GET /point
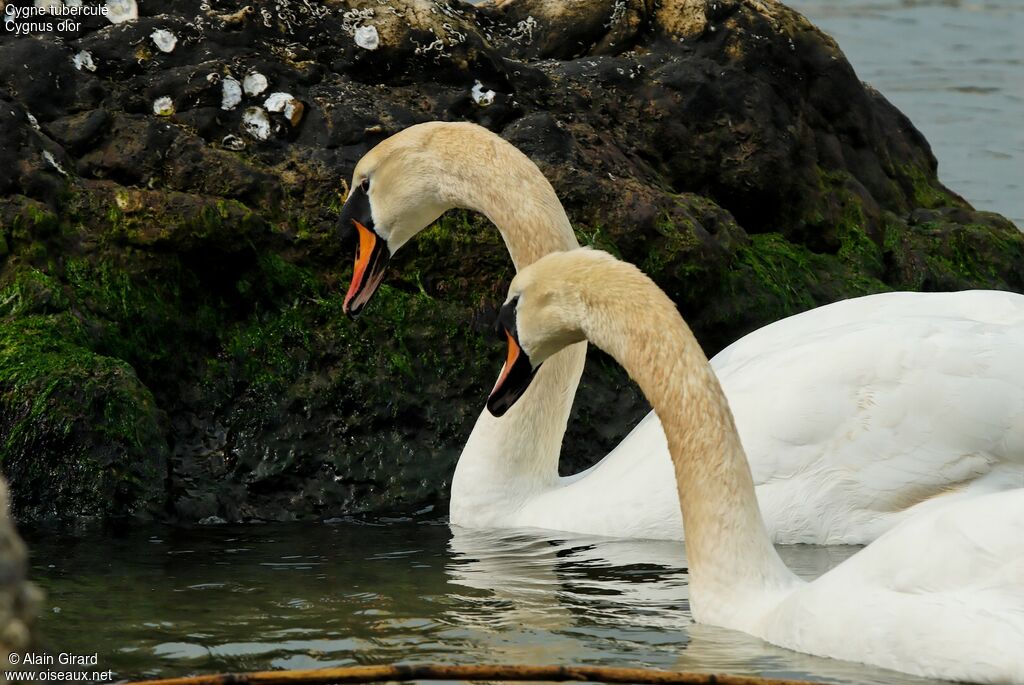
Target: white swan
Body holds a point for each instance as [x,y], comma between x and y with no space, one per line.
[853,414]
[940,595]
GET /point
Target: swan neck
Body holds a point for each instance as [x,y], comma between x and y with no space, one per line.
[727,545]
[510,459]
[512,192]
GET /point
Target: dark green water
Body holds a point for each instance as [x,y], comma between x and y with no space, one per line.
[175,602]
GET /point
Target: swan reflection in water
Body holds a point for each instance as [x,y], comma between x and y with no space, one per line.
[537,596]
[227,598]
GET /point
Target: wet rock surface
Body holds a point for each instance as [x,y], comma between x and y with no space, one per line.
[171,337]
[19,599]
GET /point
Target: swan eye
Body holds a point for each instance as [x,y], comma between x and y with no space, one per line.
[365,184]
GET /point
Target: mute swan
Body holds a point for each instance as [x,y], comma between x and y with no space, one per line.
[853,414]
[940,595]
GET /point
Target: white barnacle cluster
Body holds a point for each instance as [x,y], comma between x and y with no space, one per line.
[618,12]
[256,123]
[231,93]
[523,31]
[286,104]
[83,60]
[254,83]
[256,120]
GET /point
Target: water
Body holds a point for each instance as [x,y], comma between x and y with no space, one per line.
[167,602]
[956,68]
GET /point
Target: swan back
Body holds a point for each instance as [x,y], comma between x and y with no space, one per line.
[881,406]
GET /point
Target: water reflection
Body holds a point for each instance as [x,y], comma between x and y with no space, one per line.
[177,602]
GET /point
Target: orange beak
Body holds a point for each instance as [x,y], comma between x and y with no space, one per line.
[510,361]
[371,259]
[515,378]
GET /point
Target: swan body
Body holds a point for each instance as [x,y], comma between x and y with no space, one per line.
[854,415]
[941,594]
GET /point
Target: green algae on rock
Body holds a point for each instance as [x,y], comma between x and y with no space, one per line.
[171,337]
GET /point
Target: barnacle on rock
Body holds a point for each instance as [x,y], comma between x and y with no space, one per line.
[163,106]
[254,83]
[256,123]
[83,60]
[367,37]
[164,40]
[231,93]
[119,11]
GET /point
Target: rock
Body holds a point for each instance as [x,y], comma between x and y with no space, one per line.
[171,337]
[19,599]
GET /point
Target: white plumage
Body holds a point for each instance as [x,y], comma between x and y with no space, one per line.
[853,415]
[941,594]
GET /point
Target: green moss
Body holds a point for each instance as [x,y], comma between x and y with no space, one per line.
[677,250]
[33,223]
[973,254]
[460,257]
[136,317]
[25,289]
[785,272]
[597,237]
[79,434]
[271,350]
[925,190]
[284,277]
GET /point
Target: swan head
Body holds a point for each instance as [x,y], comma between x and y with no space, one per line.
[545,311]
[399,188]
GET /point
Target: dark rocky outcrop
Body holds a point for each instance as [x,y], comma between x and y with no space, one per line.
[19,599]
[171,336]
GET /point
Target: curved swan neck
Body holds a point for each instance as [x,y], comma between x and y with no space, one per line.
[495,178]
[727,545]
[510,459]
